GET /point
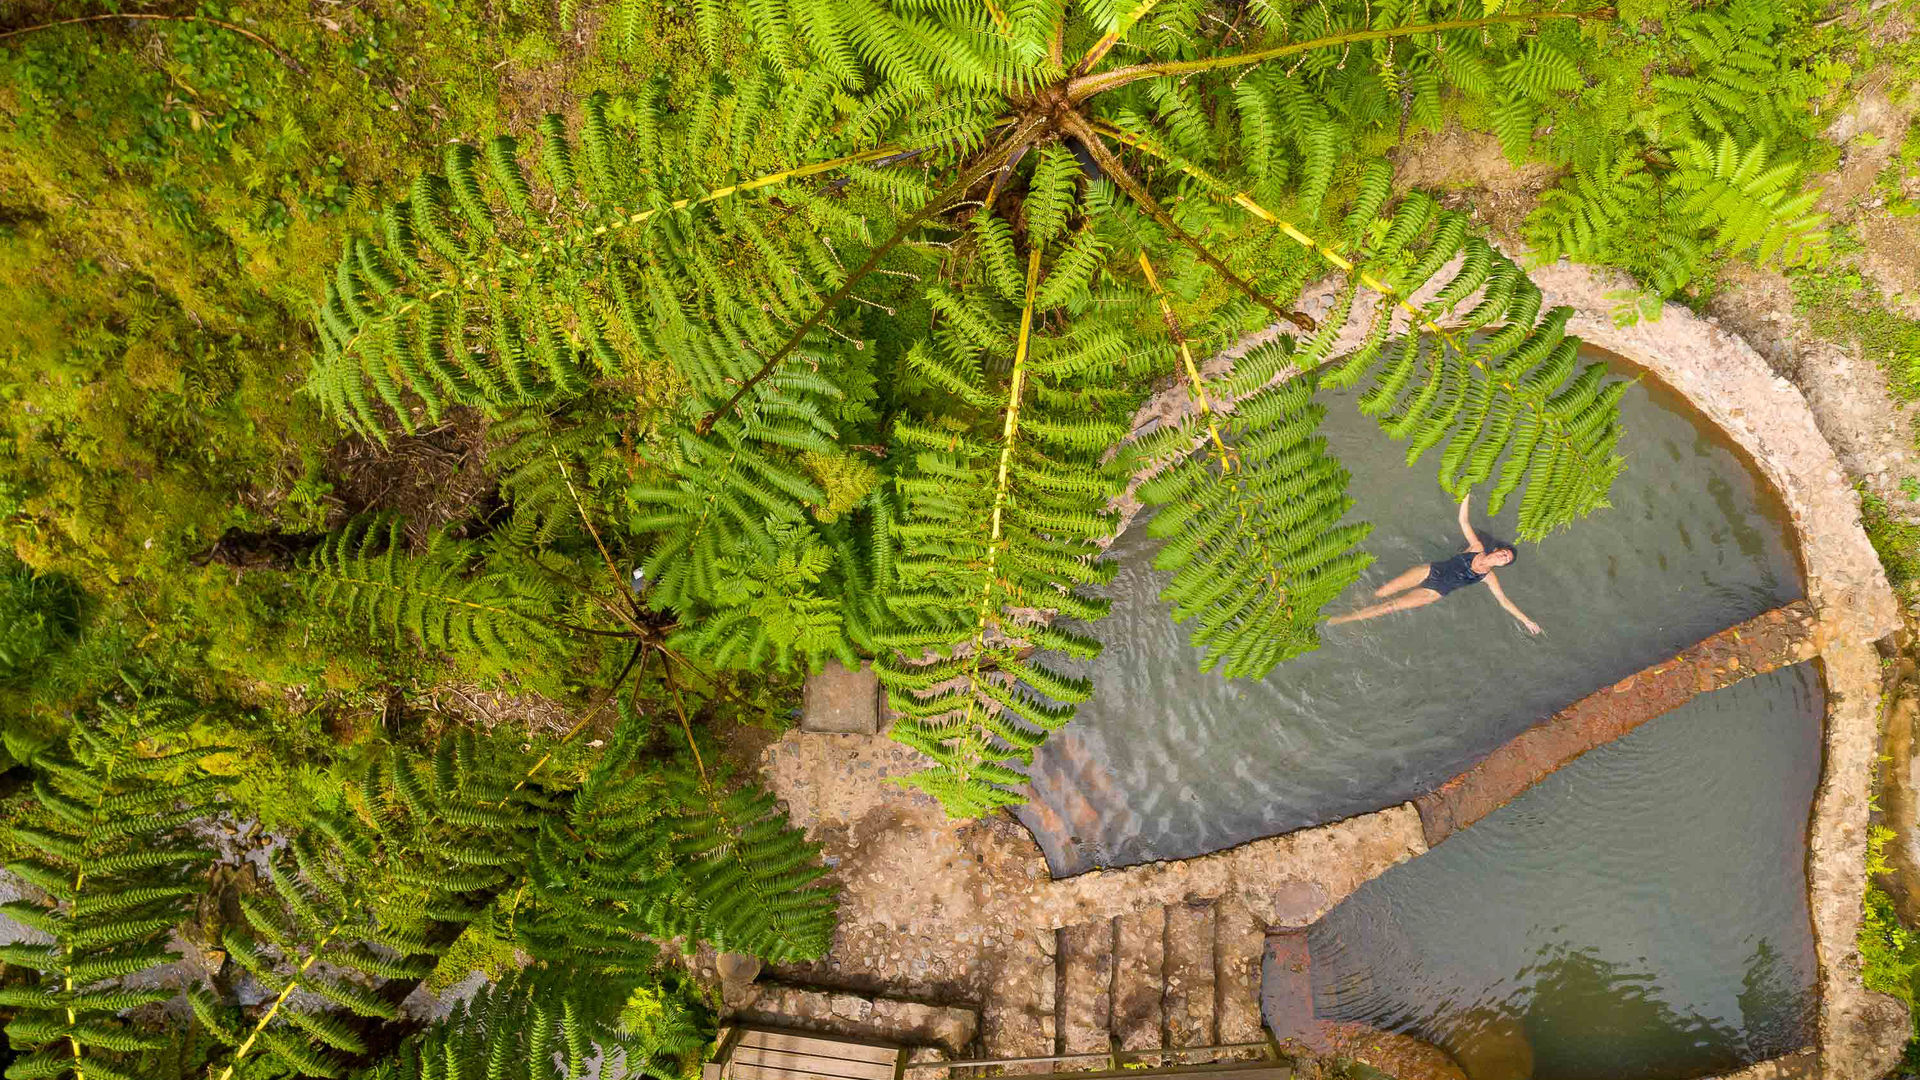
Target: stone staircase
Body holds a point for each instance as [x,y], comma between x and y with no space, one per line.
[1175,977]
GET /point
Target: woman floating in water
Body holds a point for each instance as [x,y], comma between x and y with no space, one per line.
[1428,582]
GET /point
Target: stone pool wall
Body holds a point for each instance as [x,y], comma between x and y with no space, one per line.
[1721,375]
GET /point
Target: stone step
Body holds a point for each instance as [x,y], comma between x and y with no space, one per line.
[1139,976]
[856,1015]
[1238,945]
[1018,1019]
[1189,998]
[1286,995]
[1086,988]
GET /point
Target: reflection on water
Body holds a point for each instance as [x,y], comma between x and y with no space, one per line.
[1167,762]
[1641,913]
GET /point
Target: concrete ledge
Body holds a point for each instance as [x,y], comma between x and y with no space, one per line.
[1288,881]
[1759,645]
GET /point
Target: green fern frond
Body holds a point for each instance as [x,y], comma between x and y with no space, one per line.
[438,598]
[120,791]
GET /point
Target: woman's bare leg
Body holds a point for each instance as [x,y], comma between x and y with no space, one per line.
[1408,580]
[1405,602]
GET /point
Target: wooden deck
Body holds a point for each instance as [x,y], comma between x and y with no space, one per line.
[750,1052]
[757,1053]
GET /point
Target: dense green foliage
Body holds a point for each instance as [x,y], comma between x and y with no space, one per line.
[357,906]
[39,616]
[516,1028]
[479,408]
[1708,157]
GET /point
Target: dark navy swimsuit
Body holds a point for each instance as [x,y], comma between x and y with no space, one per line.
[1447,575]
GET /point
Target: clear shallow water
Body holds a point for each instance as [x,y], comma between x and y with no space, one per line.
[1641,913]
[1167,762]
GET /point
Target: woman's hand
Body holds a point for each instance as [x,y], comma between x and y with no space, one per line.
[1532,627]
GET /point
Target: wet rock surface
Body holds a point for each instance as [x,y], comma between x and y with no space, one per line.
[1402,1057]
[1801,1065]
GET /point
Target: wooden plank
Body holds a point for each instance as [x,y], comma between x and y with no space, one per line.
[1256,1070]
[823,1045]
[729,1038]
[773,1065]
[812,1064]
[747,1071]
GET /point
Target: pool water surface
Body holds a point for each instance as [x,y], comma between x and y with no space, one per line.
[1167,762]
[1640,914]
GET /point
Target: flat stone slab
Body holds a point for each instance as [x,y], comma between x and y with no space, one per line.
[842,702]
[859,1016]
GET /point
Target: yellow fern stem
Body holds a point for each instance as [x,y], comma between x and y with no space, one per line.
[1012,423]
[1186,357]
[1108,41]
[285,993]
[80,879]
[1087,85]
[1293,232]
[1364,277]
[1008,432]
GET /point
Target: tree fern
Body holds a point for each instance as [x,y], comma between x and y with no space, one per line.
[1752,207]
[1703,161]
[909,232]
[1663,223]
[1730,77]
[113,870]
[994,535]
[750,877]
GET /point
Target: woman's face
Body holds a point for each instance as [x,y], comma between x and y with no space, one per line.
[1499,557]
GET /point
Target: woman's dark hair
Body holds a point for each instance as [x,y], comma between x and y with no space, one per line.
[1492,546]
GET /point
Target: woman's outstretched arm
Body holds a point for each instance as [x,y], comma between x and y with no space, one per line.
[1466,527]
[1512,608]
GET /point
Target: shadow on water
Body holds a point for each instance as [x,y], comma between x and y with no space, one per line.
[1641,913]
[1169,762]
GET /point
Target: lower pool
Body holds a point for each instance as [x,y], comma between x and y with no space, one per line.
[1640,914]
[1169,762]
